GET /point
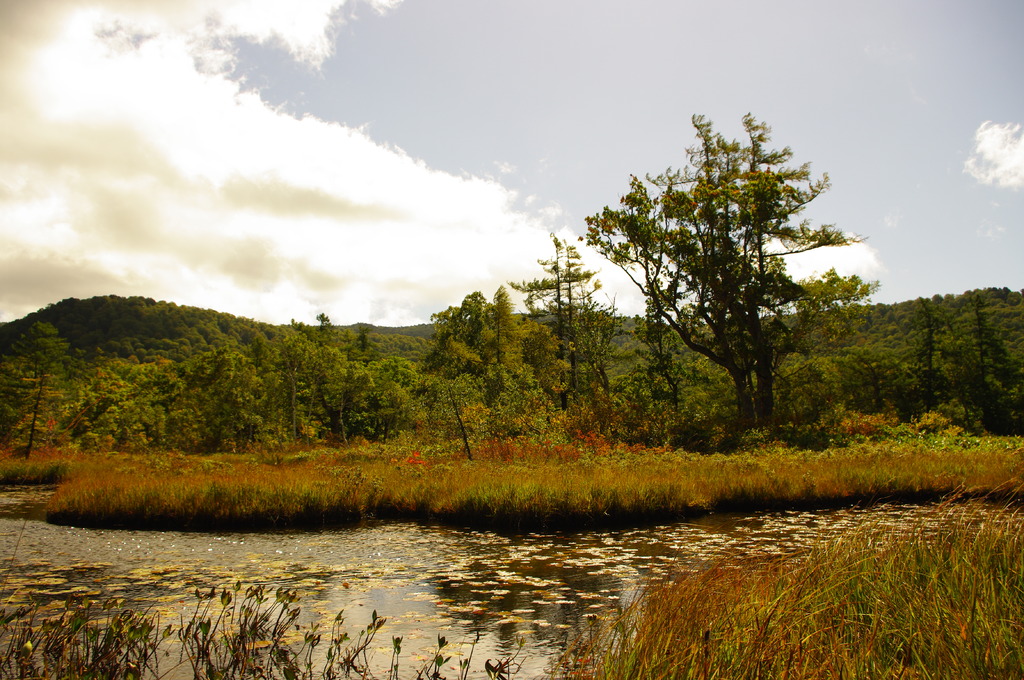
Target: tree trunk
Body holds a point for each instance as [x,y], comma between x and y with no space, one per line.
[341,425]
[462,425]
[744,400]
[295,423]
[764,398]
[35,416]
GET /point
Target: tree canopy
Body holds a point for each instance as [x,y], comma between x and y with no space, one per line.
[707,245]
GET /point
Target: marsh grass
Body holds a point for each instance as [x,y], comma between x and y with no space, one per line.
[529,487]
[48,467]
[942,599]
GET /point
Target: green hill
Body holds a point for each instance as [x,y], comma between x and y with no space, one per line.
[409,342]
[892,326]
[138,327]
[148,329]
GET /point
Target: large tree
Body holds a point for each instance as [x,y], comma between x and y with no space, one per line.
[707,246]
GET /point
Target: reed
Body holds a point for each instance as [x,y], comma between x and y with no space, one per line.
[918,603]
[531,490]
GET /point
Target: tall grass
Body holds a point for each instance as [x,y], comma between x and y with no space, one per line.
[926,603]
[538,488]
[49,468]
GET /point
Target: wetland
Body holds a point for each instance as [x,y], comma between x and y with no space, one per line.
[492,587]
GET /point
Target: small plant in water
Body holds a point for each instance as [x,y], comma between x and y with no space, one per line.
[396,652]
[506,668]
[231,633]
[84,639]
[432,669]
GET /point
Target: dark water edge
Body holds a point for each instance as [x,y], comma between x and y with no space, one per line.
[518,522]
[427,578]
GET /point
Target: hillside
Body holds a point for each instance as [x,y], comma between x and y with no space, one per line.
[408,342]
[148,330]
[139,327]
[892,326]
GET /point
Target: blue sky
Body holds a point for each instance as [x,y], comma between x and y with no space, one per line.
[379,160]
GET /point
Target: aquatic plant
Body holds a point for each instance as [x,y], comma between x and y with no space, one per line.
[85,638]
[231,633]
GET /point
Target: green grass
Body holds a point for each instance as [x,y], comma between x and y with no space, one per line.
[942,600]
[531,486]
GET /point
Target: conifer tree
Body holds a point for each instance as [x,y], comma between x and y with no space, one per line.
[39,357]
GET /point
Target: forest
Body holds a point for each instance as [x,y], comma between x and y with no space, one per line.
[135,374]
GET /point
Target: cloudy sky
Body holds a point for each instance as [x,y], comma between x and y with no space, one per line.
[377,160]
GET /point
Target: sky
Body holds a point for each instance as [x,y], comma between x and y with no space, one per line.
[378,160]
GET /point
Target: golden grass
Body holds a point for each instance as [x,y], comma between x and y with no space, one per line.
[45,467]
[943,600]
[537,489]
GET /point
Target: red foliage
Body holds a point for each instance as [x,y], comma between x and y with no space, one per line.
[868,425]
[523,449]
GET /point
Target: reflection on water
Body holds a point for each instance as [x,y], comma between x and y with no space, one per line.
[427,579]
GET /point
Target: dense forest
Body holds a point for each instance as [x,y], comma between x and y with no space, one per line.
[133,373]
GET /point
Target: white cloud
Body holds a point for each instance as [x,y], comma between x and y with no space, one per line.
[858,258]
[892,219]
[132,164]
[991,230]
[998,156]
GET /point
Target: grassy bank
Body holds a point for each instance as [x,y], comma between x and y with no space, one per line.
[49,468]
[525,485]
[876,604]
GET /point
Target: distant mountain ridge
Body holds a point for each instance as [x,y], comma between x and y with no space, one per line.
[149,329]
[890,326]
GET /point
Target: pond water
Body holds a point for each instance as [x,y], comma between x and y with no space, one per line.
[426,579]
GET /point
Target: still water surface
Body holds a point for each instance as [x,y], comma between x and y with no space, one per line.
[426,579]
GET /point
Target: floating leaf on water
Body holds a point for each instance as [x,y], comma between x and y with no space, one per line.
[420,596]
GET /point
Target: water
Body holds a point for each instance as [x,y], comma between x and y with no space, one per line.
[426,579]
